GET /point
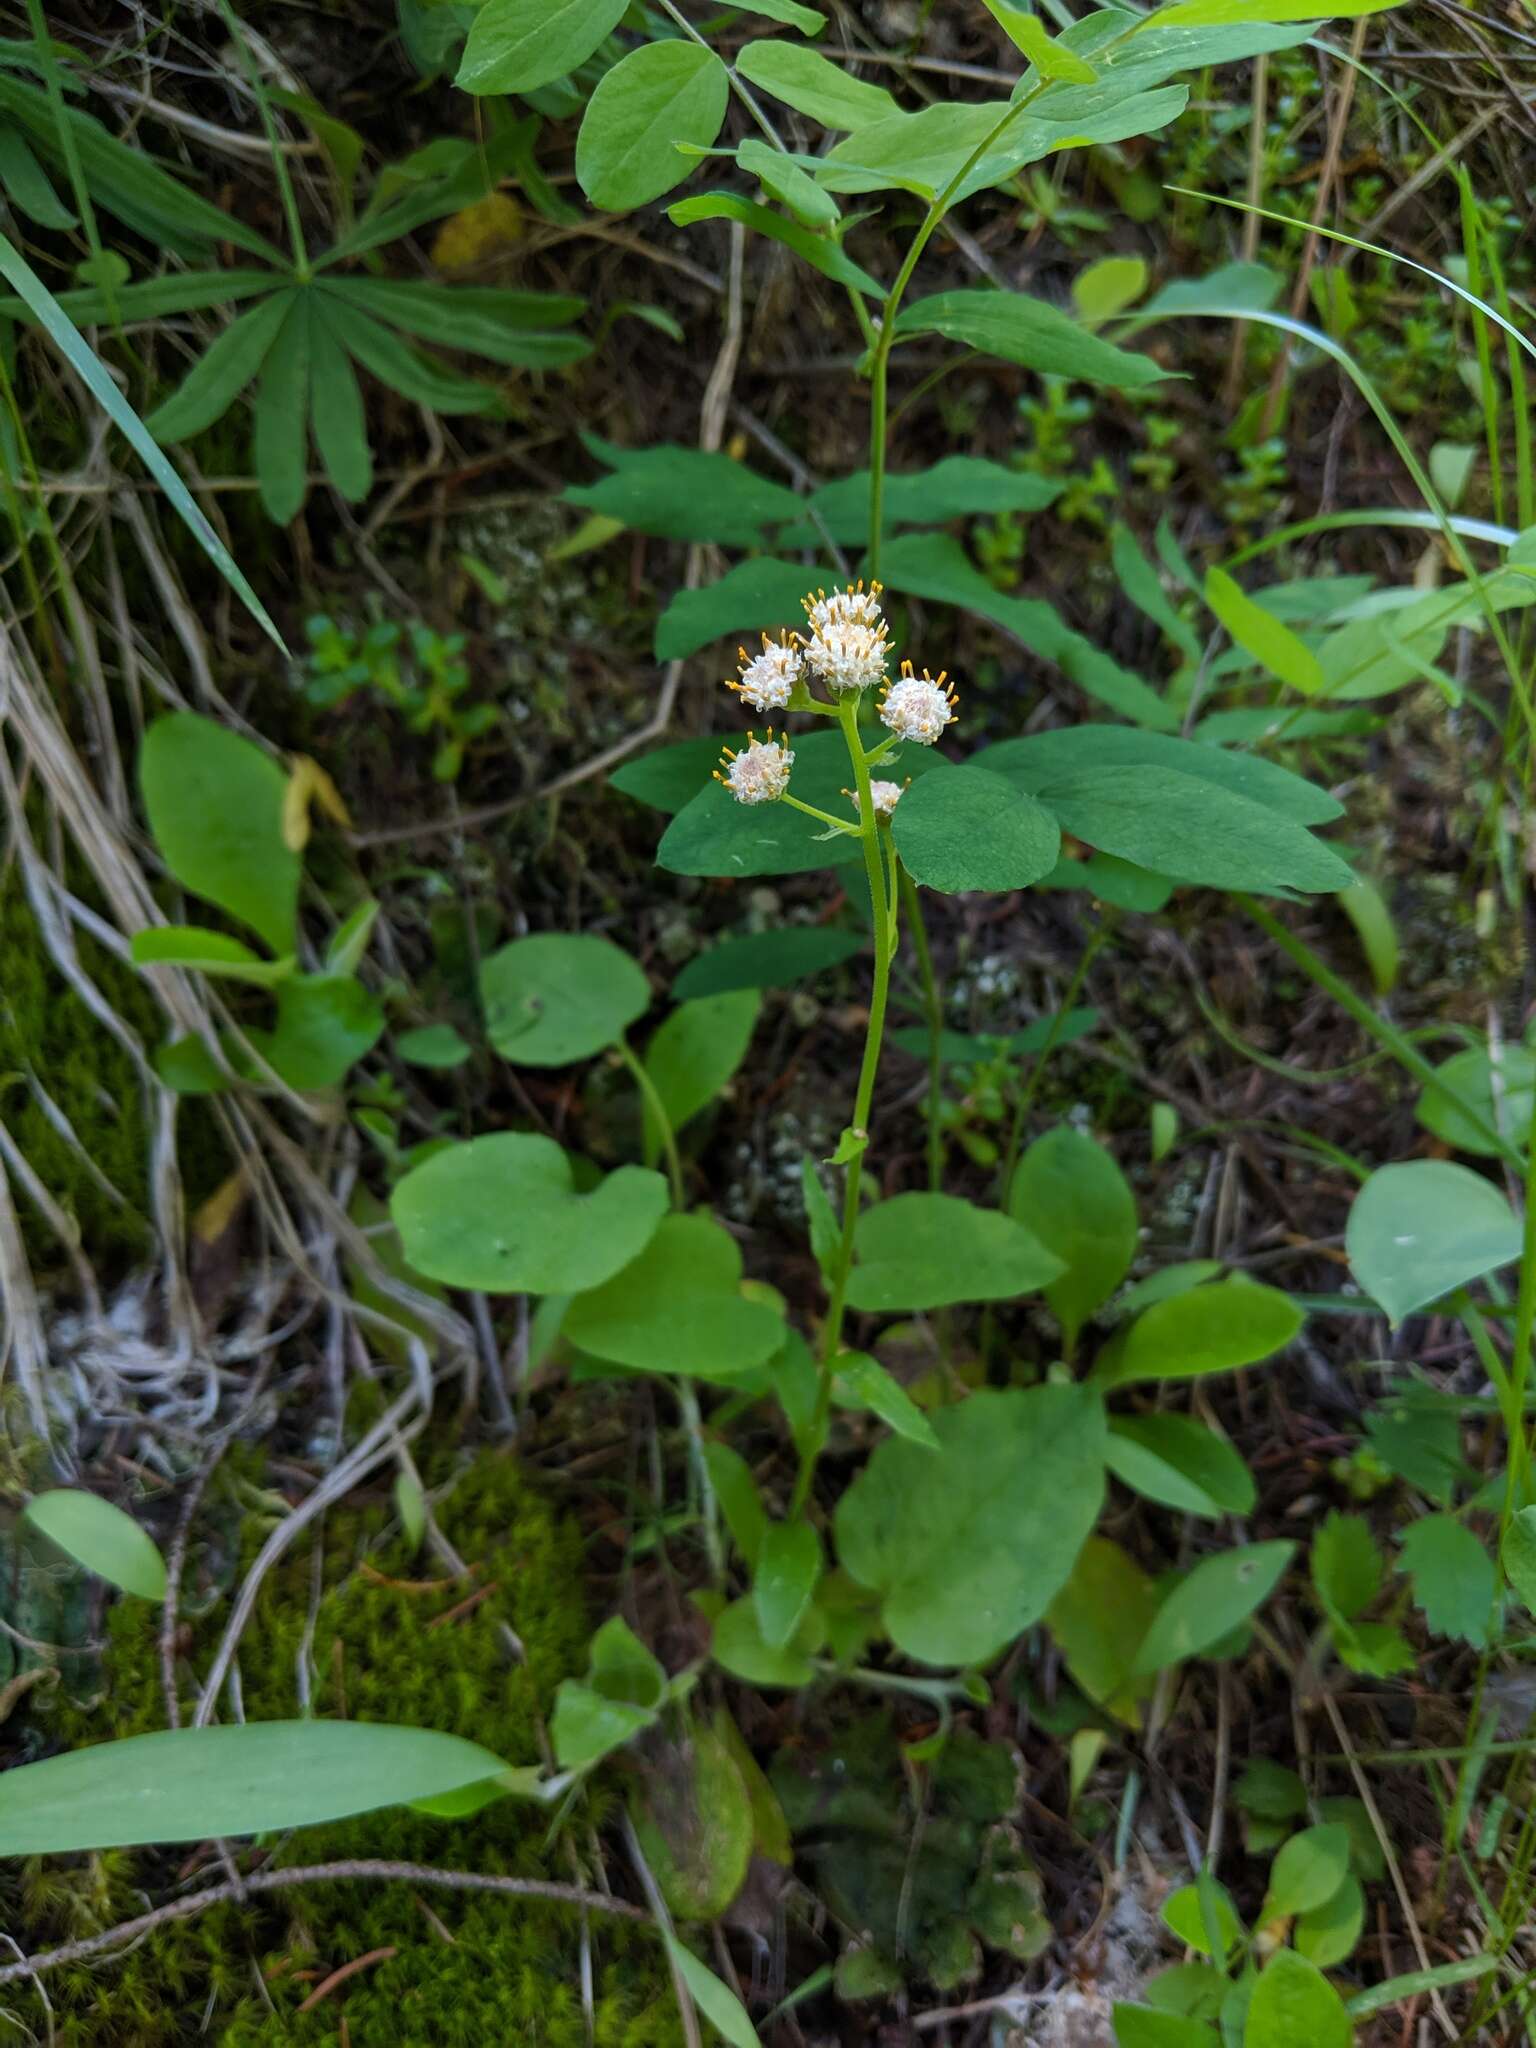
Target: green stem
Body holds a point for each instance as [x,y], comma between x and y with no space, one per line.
[879,401]
[1518,1474]
[1396,1042]
[825,817]
[933,1011]
[286,193]
[658,1110]
[874,868]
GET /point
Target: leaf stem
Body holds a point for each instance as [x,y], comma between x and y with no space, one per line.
[826,817]
[882,919]
[658,1109]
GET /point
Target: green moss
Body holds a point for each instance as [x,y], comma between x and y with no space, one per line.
[467,1969]
[47,1031]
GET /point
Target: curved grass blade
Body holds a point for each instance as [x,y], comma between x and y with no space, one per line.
[66,337]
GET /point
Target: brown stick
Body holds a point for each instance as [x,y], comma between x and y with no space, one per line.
[347,1971]
[317,1873]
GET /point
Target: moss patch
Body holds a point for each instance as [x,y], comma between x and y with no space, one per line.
[465,1970]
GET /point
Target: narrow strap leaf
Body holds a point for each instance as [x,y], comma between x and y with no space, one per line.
[222,372]
[26,185]
[21,277]
[179,291]
[336,408]
[282,416]
[507,326]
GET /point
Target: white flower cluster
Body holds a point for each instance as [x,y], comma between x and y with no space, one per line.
[768,680]
[918,707]
[759,774]
[883,797]
[847,647]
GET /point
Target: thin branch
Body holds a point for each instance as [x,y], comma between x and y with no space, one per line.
[318,1873]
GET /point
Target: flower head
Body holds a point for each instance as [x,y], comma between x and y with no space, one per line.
[918,707]
[768,679]
[883,796]
[847,647]
[759,774]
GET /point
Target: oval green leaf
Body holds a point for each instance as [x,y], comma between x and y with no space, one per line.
[1071,1194]
[1420,1230]
[1208,1329]
[100,1536]
[964,1544]
[1211,1601]
[519,45]
[1294,2002]
[559,997]
[971,830]
[656,97]
[678,1307]
[501,1214]
[215,805]
[1180,1464]
[775,959]
[928,1251]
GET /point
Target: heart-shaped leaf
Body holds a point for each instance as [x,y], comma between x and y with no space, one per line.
[1420,1230]
[560,997]
[971,830]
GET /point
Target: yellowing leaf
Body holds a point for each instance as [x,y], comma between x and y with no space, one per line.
[309,784]
[467,239]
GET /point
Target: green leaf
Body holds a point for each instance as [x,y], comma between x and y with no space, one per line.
[1212,1600]
[1326,1935]
[26,185]
[1108,287]
[585,1727]
[790,12]
[1368,911]
[812,85]
[222,371]
[1098,1619]
[1047,757]
[731,1482]
[244,1778]
[1454,1581]
[859,1381]
[1259,633]
[1347,1567]
[1207,1329]
[44,308]
[1519,1555]
[693,1820]
[1220,13]
[1195,1919]
[668,778]
[1193,830]
[1031,332]
[337,419]
[935,566]
[791,186]
[1477,1094]
[678,1307]
[1292,2001]
[415,376]
[1419,1230]
[512,327]
[501,1214]
[1143,2026]
[325,1024]
[694,1054]
[784,1579]
[281,445]
[929,1251]
[1306,1872]
[690,494]
[1027,33]
[1072,1195]
[737,1646]
[817,250]
[191,946]
[771,959]
[1271,1791]
[971,830]
[656,97]
[1399,1990]
[1180,1464]
[1143,586]
[917,1524]
[98,1535]
[759,593]
[718,2003]
[436,1046]
[519,45]
[215,805]
[959,487]
[411,1507]
[560,997]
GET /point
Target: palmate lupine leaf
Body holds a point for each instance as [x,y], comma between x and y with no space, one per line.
[178,291]
[528,330]
[25,183]
[223,371]
[282,415]
[336,409]
[403,368]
